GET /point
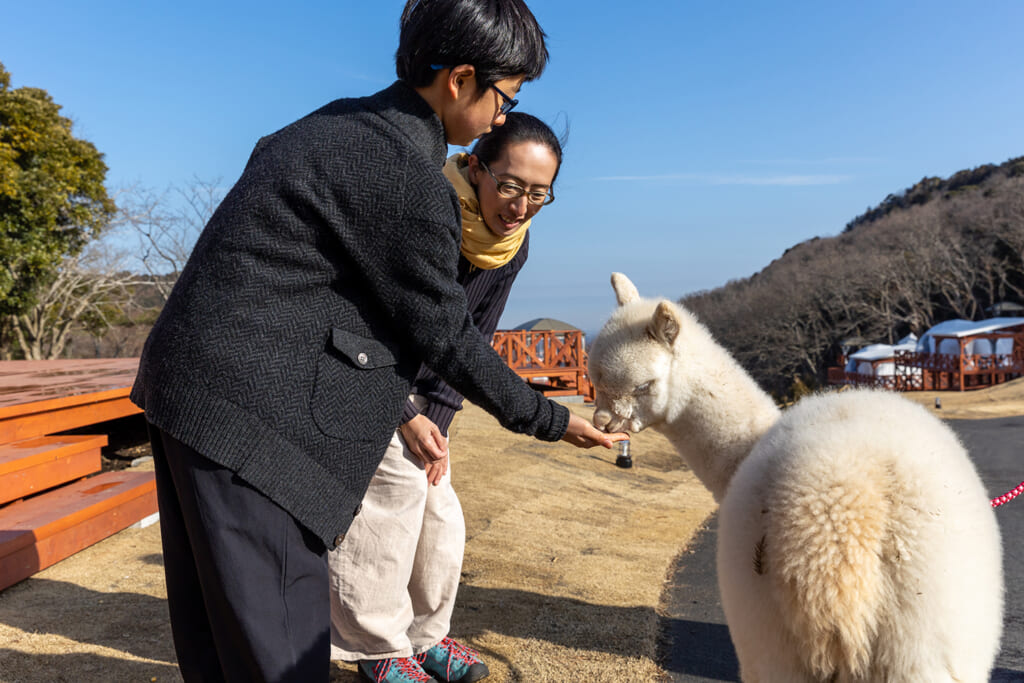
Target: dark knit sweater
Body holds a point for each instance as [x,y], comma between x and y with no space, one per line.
[486,293]
[323,281]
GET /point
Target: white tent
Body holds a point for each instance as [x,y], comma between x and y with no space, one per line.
[955,330]
[866,360]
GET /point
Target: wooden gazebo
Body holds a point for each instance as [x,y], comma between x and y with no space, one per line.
[963,371]
[553,361]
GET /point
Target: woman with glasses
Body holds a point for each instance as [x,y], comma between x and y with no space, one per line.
[394,579]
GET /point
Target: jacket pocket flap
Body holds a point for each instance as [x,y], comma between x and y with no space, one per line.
[363,352]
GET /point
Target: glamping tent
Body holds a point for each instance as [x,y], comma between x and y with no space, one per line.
[967,354]
[954,354]
[879,360]
[993,336]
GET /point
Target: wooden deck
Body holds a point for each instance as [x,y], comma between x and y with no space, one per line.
[53,499]
[43,397]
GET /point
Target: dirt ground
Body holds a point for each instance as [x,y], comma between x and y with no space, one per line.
[567,558]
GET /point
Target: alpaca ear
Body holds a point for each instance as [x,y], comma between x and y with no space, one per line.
[664,326]
[625,291]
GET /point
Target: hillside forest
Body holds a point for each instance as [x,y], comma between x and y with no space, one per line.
[942,249]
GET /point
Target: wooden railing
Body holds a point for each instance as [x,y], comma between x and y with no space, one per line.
[839,376]
[554,361]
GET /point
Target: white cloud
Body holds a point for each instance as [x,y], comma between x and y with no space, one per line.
[721,179]
[812,162]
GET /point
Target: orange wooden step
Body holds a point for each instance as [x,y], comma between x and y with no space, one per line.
[44,529]
[39,418]
[33,465]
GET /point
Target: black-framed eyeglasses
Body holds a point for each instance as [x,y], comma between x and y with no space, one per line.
[509,104]
[510,190]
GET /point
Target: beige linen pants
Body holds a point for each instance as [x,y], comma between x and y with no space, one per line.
[395,576]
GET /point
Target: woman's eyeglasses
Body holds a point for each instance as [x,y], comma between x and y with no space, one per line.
[510,190]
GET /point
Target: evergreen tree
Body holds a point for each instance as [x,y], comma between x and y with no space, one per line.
[52,197]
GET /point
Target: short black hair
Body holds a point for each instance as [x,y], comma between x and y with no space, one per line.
[519,127]
[499,38]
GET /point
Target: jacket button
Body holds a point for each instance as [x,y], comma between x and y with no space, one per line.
[338,540]
[359,508]
[363,359]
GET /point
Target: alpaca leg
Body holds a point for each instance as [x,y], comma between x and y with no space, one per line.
[764,647]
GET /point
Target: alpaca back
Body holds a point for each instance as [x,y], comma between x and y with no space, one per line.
[869,536]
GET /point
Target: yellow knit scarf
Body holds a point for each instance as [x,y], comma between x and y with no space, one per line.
[480,246]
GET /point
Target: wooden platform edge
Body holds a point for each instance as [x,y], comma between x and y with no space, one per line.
[40,418]
[109,502]
[47,462]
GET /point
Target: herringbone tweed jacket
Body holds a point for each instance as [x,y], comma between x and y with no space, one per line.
[325,277]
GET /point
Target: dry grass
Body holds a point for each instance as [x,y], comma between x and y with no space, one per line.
[566,559]
[1002,400]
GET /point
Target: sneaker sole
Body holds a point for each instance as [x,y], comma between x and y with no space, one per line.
[477,672]
[367,679]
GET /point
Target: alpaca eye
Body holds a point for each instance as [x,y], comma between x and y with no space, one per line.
[644,388]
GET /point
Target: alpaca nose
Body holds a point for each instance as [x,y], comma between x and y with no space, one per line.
[623,408]
[601,418]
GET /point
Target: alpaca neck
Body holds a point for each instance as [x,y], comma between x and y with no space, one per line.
[724,417]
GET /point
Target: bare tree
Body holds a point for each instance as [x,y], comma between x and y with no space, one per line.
[90,285]
[166,226]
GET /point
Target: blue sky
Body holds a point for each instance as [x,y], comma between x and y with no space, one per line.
[706,138]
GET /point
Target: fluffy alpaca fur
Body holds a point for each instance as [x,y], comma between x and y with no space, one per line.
[856,542]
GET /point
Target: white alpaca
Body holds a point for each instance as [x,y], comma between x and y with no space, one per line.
[856,542]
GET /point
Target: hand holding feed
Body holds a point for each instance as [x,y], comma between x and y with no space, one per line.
[582,434]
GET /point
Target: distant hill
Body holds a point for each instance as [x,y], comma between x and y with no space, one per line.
[943,248]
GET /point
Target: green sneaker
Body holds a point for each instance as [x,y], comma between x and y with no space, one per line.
[394,670]
[453,662]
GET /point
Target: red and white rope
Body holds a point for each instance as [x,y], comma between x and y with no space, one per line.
[1008,496]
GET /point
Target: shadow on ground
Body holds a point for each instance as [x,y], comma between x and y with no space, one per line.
[695,646]
[78,667]
[124,623]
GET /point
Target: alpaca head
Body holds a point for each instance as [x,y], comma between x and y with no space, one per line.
[631,359]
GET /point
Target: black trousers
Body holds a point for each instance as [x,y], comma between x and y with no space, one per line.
[247,585]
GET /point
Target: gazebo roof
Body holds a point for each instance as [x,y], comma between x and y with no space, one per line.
[545,324]
[967,328]
[874,352]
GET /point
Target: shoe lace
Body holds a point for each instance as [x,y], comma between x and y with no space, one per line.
[466,654]
[405,665]
[455,651]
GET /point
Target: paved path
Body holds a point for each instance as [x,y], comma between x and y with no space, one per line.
[698,649]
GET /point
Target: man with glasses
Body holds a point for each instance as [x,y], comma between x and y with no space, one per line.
[277,371]
[508,105]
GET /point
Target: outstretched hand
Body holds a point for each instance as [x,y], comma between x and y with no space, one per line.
[582,434]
